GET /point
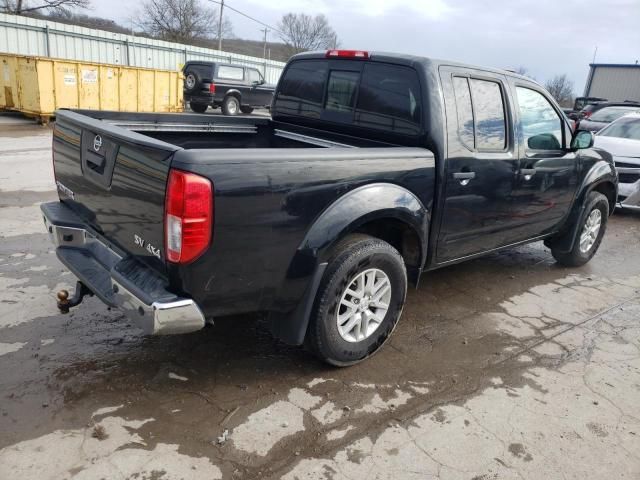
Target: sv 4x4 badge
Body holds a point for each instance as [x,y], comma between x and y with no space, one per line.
[141,242]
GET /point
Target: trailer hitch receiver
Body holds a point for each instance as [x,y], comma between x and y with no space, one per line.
[64,303]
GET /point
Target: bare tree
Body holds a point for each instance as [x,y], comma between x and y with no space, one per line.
[181,20]
[561,88]
[521,70]
[302,32]
[19,7]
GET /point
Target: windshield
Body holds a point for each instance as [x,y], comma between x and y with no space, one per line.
[609,114]
[623,128]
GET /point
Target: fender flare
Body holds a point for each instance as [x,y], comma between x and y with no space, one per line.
[235,92]
[376,201]
[601,173]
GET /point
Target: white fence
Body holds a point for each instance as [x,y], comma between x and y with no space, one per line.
[30,36]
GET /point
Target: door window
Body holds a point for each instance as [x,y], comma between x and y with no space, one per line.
[465,111]
[254,75]
[541,124]
[230,73]
[488,107]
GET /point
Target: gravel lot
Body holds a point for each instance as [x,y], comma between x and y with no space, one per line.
[507,367]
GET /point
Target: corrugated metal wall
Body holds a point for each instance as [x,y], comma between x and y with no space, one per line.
[614,83]
[30,36]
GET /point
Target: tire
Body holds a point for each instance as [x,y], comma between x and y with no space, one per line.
[246,110]
[198,107]
[231,105]
[584,248]
[356,261]
[191,80]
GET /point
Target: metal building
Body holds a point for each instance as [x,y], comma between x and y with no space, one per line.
[30,36]
[614,81]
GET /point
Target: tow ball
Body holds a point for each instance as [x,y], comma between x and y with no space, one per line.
[64,303]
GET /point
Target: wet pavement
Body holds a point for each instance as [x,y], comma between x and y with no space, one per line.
[501,368]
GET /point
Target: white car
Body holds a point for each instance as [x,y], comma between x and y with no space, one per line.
[621,139]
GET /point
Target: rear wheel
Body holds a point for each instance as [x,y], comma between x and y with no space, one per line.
[246,110]
[359,301]
[593,224]
[198,107]
[230,105]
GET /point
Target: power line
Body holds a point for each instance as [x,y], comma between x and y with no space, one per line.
[226,5]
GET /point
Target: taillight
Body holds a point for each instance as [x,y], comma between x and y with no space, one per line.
[212,88]
[188,216]
[586,114]
[347,54]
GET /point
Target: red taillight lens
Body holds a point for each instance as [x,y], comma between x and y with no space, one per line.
[212,88]
[586,114]
[347,54]
[188,216]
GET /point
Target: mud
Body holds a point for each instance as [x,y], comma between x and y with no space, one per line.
[489,355]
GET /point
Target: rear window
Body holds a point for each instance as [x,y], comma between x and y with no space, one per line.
[301,89]
[204,71]
[230,73]
[382,97]
[341,91]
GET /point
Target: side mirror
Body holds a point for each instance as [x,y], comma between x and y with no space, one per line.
[581,140]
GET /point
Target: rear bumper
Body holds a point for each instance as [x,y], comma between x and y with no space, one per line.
[201,98]
[118,280]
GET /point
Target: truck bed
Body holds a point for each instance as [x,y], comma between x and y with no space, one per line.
[280,194]
[197,131]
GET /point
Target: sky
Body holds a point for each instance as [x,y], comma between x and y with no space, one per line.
[547,37]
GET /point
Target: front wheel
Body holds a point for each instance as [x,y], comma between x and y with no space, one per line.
[593,224]
[359,301]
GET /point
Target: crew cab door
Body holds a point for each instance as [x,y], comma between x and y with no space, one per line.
[259,95]
[548,174]
[481,164]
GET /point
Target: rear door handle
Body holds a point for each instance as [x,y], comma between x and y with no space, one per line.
[464,177]
[527,173]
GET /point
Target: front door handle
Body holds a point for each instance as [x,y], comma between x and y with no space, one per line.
[527,173]
[464,177]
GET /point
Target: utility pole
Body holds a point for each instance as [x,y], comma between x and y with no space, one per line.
[264,50]
[220,25]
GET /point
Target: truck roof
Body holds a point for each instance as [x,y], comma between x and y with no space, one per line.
[411,60]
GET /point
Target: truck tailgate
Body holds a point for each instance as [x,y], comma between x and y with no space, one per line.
[115,181]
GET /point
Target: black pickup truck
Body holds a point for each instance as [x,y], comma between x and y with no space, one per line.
[373,169]
[233,88]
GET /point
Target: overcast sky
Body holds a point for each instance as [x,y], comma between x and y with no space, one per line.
[545,36]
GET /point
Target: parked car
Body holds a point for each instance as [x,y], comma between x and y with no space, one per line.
[592,108]
[604,116]
[233,88]
[621,139]
[373,169]
[579,104]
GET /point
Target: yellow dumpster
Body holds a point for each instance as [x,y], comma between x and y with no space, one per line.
[37,86]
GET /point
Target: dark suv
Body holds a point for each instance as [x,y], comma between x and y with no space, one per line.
[235,88]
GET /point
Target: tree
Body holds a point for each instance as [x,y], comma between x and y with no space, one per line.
[181,20]
[19,7]
[302,32]
[524,71]
[561,88]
